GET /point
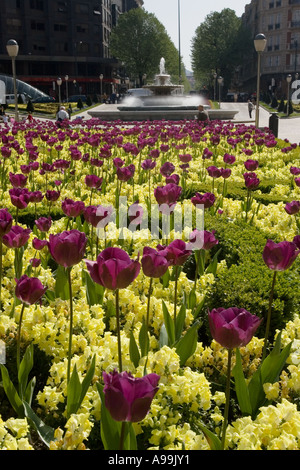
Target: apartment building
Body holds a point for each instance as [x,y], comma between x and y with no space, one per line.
[279,21]
[67,38]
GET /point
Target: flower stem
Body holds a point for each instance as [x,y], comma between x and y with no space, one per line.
[118,330]
[0,270]
[148,304]
[19,337]
[175,293]
[122,435]
[227,395]
[71,324]
[269,316]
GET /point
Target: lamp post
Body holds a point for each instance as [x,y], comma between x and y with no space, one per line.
[260,42]
[220,82]
[12,48]
[59,82]
[101,86]
[288,79]
[67,87]
[215,77]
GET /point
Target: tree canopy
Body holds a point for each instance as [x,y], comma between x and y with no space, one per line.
[218,46]
[140,40]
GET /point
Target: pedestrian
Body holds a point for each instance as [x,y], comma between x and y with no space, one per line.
[250,108]
[61,116]
[70,111]
[202,113]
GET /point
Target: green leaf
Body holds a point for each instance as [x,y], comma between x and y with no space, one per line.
[24,370]
[76,391]
[144,339]
[163,337]
[134,350]
[73,393]
[268,372]
[61,283]
[94,291]
[11,392]
[199,307]
[187,345]
[179,323]
[241,387]
[169,324]
[29,390]
[87,379]
[212,267]
[213,440]
[46,433]
[110,429]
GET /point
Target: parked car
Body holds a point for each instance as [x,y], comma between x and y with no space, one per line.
[44,99]
[10,99]
[75,99]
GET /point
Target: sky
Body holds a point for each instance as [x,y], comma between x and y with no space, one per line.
[192,14]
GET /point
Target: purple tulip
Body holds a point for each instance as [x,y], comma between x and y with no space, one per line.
[167,169]
[202,239]
[292,207]
[232,327]
[213,171]
[128,398]
[17,180]
[229,159]
[6,221]
[29,289]
[279,256]
[168,194]
[135,213]
[174,179]
[35,196]
[113,269]
[148,164]
[176,252]
[44,224]
[295,170]
[251,181]
[98,216]
[38,244]
[67,248]
[16,237]
[207,154]
[125,173]
[118,162]
[19,197]
[52,195]
[93,181]
[154,263]
[225,172]
[72,208]
[185,158]
[207,200]
[251,165]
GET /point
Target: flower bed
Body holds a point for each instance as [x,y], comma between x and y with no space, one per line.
[121,332]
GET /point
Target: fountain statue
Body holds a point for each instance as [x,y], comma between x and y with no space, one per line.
[166,101]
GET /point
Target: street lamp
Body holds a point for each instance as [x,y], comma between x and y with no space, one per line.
[59,82]
[101,85]
[67,91]
[288,79]
[220,82]
[260,42]
[215,77]
[12,48]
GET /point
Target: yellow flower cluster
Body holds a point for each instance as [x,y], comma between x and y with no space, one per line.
[14,434]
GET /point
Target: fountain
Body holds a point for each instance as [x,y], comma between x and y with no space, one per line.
[166,101]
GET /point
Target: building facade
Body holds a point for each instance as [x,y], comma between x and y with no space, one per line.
[279,21]
[67,39]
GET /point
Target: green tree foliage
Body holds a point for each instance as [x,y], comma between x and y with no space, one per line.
[218,46]
[140,40]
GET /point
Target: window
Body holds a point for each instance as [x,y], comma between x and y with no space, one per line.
[37,26]
[60,27]
[82,28]
[37,4]
[82,8]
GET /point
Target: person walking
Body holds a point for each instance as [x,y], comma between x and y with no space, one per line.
[250,108]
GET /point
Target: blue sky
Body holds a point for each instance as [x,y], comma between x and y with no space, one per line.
[192,14]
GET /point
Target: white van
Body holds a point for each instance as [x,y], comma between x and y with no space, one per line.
[10,99]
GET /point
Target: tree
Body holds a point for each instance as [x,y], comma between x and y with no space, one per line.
[218,46]
[140,40]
